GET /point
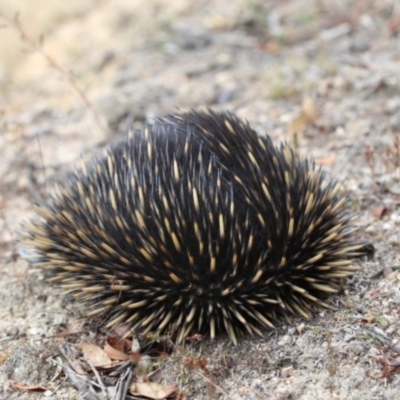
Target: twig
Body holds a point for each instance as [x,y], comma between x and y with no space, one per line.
[76,374]
[42,159]
[212,383]
[98,377]
[123,384]
[68,75]
[384,340]
[81,383]
[382,271]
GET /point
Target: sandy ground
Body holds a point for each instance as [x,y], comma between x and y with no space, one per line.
[135,60]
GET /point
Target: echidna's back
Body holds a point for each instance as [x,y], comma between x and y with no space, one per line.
[199,223]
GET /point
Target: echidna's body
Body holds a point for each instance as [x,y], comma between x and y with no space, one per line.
[199,223]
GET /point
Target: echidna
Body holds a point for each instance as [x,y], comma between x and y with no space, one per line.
[197,223]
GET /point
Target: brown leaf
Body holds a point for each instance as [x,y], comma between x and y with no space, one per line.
[297,124]
[28,388]
[120,343]
[287,371]
[394,23]
[368,319]
[152,390]
[325,160]
[390,366]
[379,212]
[243,390]
[272,46]
[310,109]
[196,338]
[308,115]
[115,348]
[95,354]
[118,348]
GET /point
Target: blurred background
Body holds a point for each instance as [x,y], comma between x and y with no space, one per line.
[191,53]
[297,69]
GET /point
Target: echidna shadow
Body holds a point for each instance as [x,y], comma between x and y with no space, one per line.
[196,224]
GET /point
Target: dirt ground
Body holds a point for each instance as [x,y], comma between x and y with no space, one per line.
[273,63]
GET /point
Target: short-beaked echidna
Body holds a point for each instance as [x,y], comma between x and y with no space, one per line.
[198,223]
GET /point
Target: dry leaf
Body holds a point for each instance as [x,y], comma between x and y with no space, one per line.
[272,46]
[394,23]
[297,124]
[115,348]
[122,329]
[72,354]
[71,329]
[390,366]
[368,320]
[308,115]
[95,354]
[310,109]
[28,388]
[379,212]
[286,372]
[152,390]
[119,343]
[118,348]
[325,160]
